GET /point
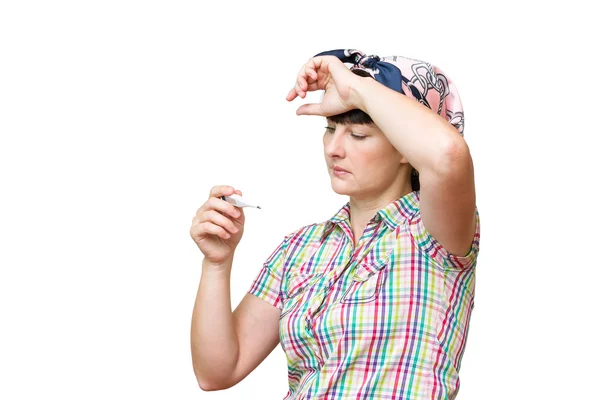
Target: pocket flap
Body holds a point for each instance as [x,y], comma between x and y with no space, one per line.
[296,283]
[366,269]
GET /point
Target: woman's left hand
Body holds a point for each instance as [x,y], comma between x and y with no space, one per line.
[330,74]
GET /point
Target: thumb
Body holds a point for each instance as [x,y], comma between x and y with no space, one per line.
[310,109]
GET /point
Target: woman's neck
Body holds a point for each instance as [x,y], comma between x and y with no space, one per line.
[362,210]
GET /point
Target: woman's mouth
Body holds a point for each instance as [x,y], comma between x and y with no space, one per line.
[340,172]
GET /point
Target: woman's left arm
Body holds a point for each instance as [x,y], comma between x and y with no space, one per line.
[437,151]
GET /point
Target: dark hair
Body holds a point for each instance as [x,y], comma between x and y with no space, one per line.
[359,117]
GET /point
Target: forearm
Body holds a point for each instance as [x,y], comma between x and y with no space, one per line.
[214,342]
[418,133]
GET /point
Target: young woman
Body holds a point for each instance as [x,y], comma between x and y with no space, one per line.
[374,302]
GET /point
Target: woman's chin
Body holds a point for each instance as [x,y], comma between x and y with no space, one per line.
[340,189]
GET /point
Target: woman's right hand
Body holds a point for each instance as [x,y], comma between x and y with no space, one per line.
[218,226]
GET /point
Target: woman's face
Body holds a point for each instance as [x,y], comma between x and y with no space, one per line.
[373,162]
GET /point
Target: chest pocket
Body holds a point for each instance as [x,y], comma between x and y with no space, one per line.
[366,282]
[295,285]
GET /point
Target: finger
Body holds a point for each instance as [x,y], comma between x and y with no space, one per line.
[312,87]
[309,72]
[303,83]
[303,92]
[310,109]
[306,83]
[301,71]
[239,209]
[224,207]
[221,190]
[316,63]
[299,74]
[291,94]
[213,229]
[220,220]
[299,90]
[300,85]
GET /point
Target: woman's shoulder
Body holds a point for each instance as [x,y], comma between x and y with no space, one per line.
[308,233]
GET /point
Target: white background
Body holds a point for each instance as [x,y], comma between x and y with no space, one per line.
[118,117]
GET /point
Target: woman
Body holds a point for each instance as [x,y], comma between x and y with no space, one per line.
[374,302]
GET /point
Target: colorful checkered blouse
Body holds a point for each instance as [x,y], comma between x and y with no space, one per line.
[387,320]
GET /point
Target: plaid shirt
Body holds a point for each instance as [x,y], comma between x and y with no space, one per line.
[385,320]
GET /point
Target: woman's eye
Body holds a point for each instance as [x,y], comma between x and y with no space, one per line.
[330,129]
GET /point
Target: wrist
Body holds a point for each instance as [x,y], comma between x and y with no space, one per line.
[212,266]
[358,90]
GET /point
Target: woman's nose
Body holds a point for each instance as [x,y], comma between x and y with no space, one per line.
[334,143]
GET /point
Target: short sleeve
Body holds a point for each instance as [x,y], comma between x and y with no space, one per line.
[442,257]
[267,285]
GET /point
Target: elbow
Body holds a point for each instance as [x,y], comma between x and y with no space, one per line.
[209,385]
[211,376]
[455,155]
[204,384]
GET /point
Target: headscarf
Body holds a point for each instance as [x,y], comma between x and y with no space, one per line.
[416,79]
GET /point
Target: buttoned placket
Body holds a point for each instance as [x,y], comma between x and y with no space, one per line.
[317,302]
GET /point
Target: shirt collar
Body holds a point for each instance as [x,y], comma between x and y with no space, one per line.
[394,214]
